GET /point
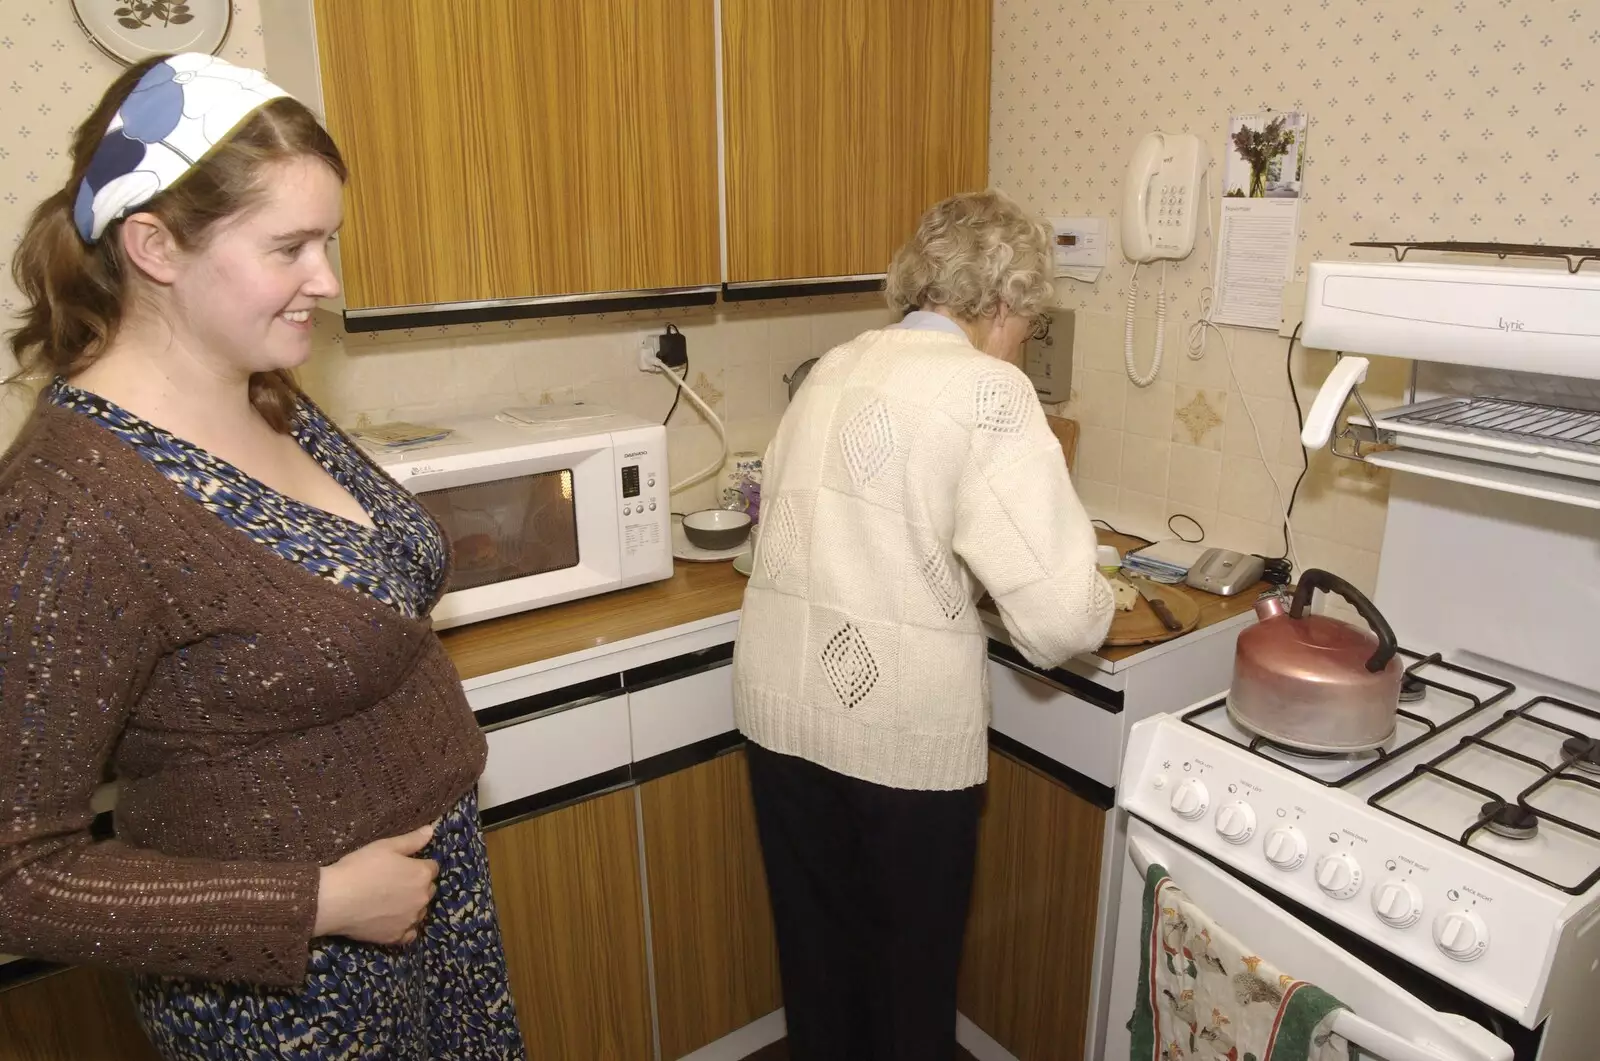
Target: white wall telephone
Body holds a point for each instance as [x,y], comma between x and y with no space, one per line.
[1161,202]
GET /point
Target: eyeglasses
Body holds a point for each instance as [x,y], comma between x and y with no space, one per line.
[1040,331]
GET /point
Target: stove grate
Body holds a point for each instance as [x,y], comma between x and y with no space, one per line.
[1575,752]
[1260,745]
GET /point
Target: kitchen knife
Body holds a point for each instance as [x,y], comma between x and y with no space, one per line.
[1157,605]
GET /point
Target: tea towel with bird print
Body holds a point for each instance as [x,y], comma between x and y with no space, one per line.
[1204,997]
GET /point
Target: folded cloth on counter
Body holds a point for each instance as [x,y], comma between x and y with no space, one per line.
[1204,997]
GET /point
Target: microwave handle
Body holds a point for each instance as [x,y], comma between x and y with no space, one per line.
[1370,1037]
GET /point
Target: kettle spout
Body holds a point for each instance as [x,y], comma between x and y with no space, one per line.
[1273,603]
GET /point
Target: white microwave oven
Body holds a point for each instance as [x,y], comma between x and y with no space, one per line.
[539,513]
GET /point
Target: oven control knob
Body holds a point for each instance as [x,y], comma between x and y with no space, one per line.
[1461,934]
[1397,903]
[1191,800]
[1236,822]
[1286,847]
[1339,874]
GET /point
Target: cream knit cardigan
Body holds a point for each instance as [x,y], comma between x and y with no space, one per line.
[911,472]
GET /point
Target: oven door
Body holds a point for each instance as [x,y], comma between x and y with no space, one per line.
[525,533]
[1386,1020]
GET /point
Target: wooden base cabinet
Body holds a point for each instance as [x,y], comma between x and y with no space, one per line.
[716,962]
[568,890]
[78,1015]
[1025,973]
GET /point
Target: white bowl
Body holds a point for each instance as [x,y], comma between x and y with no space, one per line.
[716,528]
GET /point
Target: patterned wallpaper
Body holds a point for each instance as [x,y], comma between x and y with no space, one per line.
[1429,119]
[51,76]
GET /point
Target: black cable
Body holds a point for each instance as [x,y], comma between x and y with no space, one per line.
[1305,458]
[1125,534]
[1276,571]
[1197,526]
[677,391]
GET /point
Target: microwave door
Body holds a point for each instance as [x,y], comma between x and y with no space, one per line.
[1385,1022]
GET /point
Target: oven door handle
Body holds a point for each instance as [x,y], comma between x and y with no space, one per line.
[1370,1037]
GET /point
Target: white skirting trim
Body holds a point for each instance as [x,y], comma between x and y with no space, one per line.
[740,1044]
[975,1041]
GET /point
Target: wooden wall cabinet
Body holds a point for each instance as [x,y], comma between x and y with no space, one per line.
[1025,972]
[515,149]
[503,151]
[846,120]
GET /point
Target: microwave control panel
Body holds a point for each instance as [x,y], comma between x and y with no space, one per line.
[643,504]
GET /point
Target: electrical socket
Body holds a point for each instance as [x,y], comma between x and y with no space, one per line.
[649,350]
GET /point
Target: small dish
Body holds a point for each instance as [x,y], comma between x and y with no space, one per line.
[744,562]
[683,549]
[715,529]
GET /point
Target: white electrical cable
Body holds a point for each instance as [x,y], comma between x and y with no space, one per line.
[716,425]
[1261,447]
[1197,350]
[1144,379]
[1197,330]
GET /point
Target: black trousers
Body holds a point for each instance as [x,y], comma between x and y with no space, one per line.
[870,889]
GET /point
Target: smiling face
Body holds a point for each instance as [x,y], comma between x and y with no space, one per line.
[243,299]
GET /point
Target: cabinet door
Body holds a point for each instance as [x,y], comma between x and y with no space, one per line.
[78,1015]
[845,120]
[567,888]
[716,962]
[1030,940]
[515,148]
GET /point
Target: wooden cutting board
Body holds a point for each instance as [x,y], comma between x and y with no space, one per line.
[1066,431]
[1141,627]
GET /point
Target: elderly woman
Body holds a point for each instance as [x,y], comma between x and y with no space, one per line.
[913,471]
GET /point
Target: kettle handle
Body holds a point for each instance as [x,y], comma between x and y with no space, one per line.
[1316,578]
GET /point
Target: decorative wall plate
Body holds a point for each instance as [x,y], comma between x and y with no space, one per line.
[131,31]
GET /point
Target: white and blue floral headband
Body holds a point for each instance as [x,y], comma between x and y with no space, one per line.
[181,108]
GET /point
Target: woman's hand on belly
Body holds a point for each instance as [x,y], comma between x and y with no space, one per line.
[378,893]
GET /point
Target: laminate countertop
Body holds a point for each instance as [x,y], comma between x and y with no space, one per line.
[694,592]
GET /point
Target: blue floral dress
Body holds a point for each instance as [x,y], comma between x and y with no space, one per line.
[441,998]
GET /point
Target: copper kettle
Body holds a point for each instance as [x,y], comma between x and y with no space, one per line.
[1314,682]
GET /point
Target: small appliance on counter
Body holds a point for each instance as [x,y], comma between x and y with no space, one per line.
[1225,572]
[542,507]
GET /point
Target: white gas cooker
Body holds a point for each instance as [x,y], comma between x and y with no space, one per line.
[1469,847]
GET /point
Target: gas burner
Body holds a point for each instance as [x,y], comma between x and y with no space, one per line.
[1317,756]
[1509,820]
[1582,753]
[1412,689]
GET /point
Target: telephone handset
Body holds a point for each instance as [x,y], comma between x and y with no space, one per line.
[1160,197]
[1160,202]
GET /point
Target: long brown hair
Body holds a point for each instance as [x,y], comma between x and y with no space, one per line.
[77,293]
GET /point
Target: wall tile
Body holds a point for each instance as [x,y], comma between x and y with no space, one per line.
[1144,464]
[1246,490]
[1099,454]
[1199,417]
[1194,477]
[1149,411]
[1099,499]
[1099,399]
